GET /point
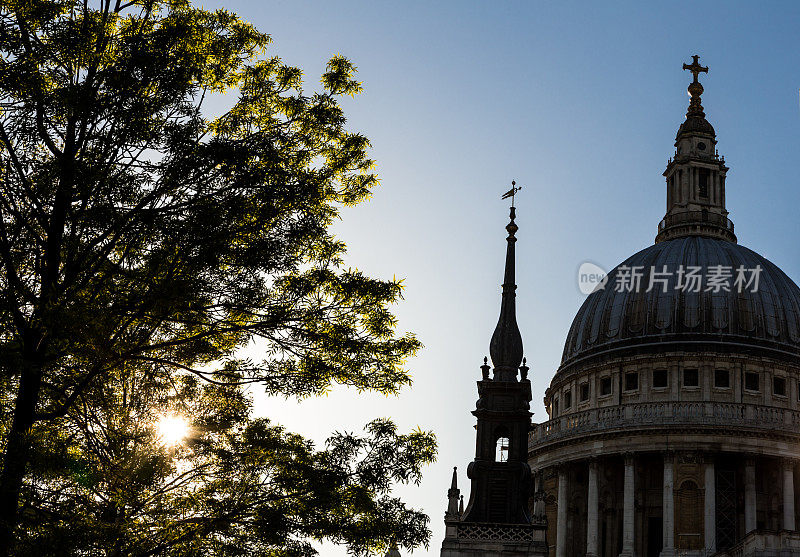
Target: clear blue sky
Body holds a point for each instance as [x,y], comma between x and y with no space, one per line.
[580,103]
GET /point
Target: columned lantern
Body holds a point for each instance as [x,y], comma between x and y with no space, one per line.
[696,176]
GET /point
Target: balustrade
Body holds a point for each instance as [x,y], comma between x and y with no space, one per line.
[664,413]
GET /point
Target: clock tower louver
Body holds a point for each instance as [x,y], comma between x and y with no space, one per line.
[497,520]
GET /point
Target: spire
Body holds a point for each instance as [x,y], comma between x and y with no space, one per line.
[505,347]
[453,495]
[499,480]
[393,551]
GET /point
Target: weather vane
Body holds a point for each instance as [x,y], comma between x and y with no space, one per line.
[512,192]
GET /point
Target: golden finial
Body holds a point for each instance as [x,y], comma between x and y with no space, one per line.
[695,88]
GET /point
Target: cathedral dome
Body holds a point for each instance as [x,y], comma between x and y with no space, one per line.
[745,318]
[673,422]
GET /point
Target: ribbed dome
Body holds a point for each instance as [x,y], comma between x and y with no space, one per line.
[767,319]
[695,124]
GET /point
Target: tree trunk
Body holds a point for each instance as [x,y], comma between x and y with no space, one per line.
[15,459]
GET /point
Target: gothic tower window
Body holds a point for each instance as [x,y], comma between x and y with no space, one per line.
[501,454]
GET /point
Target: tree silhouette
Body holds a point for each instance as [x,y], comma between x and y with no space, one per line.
[143,243]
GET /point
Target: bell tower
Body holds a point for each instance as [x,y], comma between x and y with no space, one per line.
[497,519]
[696,175]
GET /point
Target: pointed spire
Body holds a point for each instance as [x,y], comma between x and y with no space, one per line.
[461,505]
[505,347]
[453,495]
[393,551]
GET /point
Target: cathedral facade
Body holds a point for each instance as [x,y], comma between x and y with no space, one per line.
[674,418]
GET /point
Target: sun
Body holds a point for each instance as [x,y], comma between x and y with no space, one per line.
[172,429]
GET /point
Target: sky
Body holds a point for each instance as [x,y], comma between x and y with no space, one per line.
[579,102]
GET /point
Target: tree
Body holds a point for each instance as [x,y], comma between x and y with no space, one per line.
[104,485]
[144,241]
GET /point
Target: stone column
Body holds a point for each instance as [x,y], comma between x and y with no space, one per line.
[711,507]
[788,494]
[628,509]
[668,512]
[591,514]
[722,190]
[561,521]
[749,495]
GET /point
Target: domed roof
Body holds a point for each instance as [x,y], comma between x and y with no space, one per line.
[695,124]
[766,317]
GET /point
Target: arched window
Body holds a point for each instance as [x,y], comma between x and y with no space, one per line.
[501,450]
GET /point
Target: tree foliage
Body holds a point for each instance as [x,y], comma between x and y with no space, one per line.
[236,486]
[143,243]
